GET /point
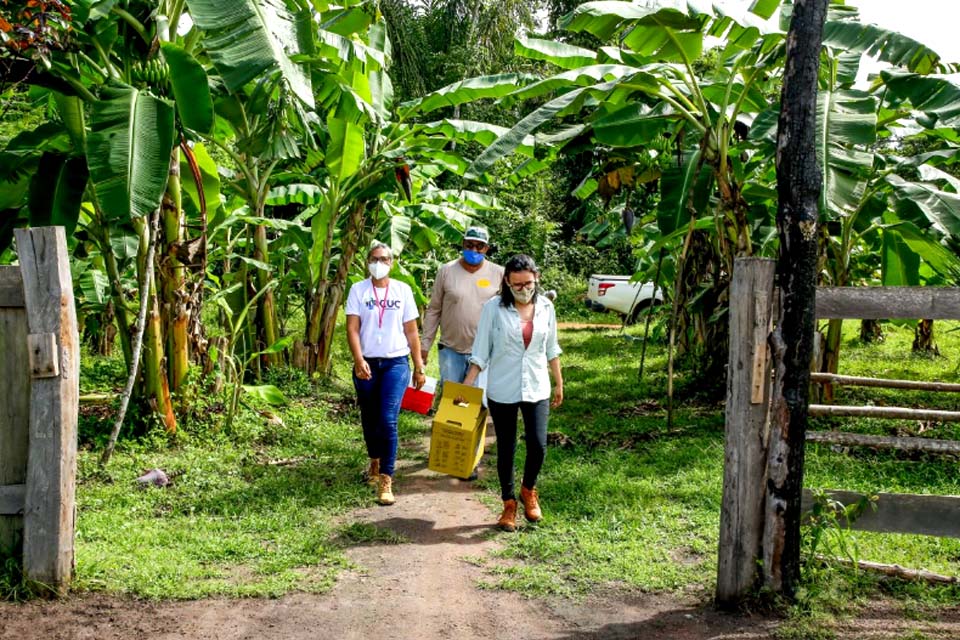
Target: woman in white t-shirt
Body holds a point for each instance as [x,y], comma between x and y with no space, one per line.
[382,333]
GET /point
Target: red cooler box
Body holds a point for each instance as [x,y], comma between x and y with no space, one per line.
[419,401]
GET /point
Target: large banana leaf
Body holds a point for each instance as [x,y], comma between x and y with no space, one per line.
[585,76]
[668,35]
[245,38]
[345,151]
[561,54]
[765,8]
[468,90]
[128,151]
[940,208]
[604,18]
[400,226]
[473,131]
[899,264]
[887,46]
[923,244]
[190,88]
[305,194]
[334,46]
[938,98]
[683,190]
[508,142]
[929,173]
[56,191]
[846,127]
[631,126]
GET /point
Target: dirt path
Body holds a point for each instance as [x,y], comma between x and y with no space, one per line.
[421,586]
[586,325]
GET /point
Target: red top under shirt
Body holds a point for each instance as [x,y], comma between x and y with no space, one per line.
[526,328]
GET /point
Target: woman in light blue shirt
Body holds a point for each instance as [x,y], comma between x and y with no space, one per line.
[516,344]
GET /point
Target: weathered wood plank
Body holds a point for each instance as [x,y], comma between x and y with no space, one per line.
[928,445]
[11,287]
[48,550]
[901,513]
[748,378]
[14,413]
[890,413]
[879,303]
[885,383]
[12,500]
[44,362]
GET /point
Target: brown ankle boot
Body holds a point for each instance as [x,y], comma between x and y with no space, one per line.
[508,519]
[531,505]
[385,491]
[372,474]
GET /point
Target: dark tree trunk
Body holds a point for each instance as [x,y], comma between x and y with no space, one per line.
[924,340]
[798,187]
[871,331]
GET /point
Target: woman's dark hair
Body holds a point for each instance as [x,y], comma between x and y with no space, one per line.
[516,264]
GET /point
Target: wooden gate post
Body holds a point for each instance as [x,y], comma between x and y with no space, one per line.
[54,359]
[745,446]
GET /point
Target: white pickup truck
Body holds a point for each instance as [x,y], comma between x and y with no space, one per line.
[617,293]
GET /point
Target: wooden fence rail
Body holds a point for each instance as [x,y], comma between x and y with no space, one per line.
[885,383]
[927,445]
[900,513]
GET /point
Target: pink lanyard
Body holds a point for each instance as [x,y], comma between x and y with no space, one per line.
[383,307]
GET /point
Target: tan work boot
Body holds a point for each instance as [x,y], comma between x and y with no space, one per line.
[385,490]
[531,505]
[508,519]
[372,474]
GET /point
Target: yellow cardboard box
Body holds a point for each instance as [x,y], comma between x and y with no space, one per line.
[456,442]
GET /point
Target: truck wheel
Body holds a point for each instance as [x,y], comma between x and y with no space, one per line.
[639,312]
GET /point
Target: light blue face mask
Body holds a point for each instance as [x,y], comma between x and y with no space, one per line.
[473,258]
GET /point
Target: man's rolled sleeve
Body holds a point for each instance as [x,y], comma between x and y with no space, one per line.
[431,318]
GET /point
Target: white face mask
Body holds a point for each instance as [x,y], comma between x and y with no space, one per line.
[378,270]
[524,295]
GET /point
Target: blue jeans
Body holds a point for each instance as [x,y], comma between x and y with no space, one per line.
[379,399]
[454,367]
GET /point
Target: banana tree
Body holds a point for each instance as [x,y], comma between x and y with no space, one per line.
[133,93]
[650,83]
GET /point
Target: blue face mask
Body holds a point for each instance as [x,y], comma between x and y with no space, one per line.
[472,258]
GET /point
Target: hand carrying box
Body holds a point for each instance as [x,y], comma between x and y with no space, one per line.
[457,438]
[419,400]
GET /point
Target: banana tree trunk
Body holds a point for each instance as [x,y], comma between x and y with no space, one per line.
[924,340]
[124,325]
[155,386]
[349,246]
[266,307]
[100,330]
[871,331]
[175,310]
[831,355]
[317,303]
